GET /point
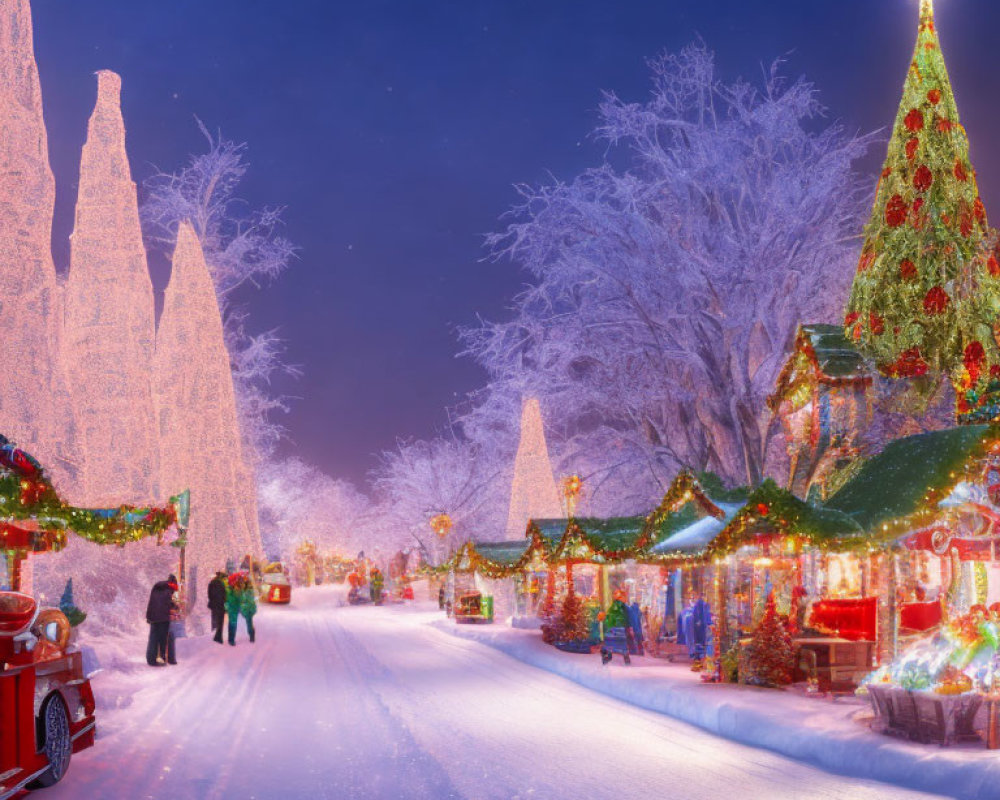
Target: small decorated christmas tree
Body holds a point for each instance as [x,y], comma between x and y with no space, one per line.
[770,656]
[573,622]
[927,290]
[550,621]
[68,606]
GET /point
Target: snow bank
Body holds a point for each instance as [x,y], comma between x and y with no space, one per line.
[833,735]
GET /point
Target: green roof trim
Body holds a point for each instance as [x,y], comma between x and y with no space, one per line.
[550,530]
[836,355]
[503,554]
[772,510]
[895,483]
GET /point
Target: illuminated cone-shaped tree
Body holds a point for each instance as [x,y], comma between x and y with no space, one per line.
[34,405]
[199,430]
[110,320]
[927,289]
[533,493]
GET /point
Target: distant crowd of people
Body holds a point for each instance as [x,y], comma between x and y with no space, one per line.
[233,595]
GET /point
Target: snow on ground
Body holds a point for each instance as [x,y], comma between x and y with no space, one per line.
[832,734]
[376,703]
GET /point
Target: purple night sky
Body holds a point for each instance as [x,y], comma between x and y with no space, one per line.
[393,131]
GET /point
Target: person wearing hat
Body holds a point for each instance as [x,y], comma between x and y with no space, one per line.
[158,611]
[217,604]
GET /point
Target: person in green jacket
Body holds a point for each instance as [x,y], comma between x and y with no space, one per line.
[240,599]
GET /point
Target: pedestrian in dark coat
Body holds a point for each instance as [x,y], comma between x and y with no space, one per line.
[217,604]
[161,603]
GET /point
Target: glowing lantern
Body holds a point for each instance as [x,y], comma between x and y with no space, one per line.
[572,486]
[441,524]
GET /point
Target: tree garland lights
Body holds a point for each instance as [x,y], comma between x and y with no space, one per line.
[26,494]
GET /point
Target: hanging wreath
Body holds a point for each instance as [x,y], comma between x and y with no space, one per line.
[979,210]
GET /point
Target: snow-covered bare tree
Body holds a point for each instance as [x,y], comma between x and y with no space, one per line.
[668,282]
[421,479]
[242,247]
[299,501]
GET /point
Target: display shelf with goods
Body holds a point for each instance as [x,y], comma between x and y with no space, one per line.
[945,687]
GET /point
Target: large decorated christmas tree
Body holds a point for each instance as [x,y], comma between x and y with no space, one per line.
[926,295]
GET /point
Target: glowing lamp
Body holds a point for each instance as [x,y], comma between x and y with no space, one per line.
[441,524]
[572,486]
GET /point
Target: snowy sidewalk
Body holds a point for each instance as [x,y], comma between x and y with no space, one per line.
[833,735]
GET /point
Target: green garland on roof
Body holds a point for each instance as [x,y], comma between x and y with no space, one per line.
[773,511]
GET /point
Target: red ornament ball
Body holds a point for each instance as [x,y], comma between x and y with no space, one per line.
[916,218]
[979,209]
[763,509]
[934,96]
[907,270]
[875,323]
[914,120]
[910,364]
[851,318]
[895,211]
[911,148]
[935,301]
[944,125]
[993,266]
[974,355]
[923,178]
[960,173]
[867,259]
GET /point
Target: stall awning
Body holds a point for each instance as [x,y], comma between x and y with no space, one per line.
[902,485]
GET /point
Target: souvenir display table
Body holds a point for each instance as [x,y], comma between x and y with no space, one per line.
[839,664]
[927,716]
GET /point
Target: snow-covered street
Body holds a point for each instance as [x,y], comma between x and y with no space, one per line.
[336,702]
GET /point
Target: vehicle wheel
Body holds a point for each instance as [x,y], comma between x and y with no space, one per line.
[53,724]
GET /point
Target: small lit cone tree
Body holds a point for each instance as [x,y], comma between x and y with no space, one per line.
[927,289]
[533,493]
[770,656]
[68,606]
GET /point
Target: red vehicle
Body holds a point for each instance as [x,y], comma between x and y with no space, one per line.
[46,702]
[275,588]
